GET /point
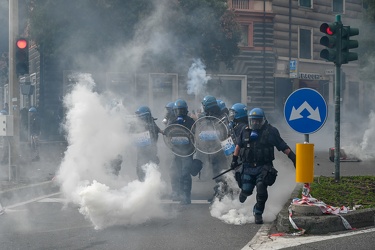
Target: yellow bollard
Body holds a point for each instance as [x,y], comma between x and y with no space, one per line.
[304,162]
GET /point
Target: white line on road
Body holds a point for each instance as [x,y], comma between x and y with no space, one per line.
[30,201]
[263,241]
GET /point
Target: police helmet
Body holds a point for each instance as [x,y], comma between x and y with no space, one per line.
[169,106]
[221,104]
[32,109]
[237,111]
[256,118]
[143,111]
[180,108]
[209,102]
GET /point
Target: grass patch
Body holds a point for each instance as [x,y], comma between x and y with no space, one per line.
[349,191]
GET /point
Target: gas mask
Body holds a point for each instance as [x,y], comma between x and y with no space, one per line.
[180,119]
[254,135]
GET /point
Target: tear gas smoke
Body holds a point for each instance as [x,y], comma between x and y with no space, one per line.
[97,134]
[231,211]
[197,78]
[364,149]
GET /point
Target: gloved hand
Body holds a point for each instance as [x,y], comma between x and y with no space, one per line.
[292,157]
[234,163]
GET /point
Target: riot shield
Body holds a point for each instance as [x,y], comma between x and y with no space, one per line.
[209,132]
[179,139]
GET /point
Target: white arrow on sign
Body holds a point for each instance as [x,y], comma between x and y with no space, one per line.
[296,113]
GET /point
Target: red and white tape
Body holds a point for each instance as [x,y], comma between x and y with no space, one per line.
[307,199]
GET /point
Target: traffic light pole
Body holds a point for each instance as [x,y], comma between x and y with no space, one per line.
[338,44]
[337,99]
[337,120]
[14,92]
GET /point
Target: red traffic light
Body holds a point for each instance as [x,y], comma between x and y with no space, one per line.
[328,29]
[21,43]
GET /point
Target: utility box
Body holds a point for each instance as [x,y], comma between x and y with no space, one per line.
[6,125]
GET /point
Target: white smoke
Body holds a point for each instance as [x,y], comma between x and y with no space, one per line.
[96,133]
[364,149]
[197,78]
[231,211]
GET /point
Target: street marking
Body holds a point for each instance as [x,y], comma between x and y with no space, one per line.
[192,202]
[30,201]
[57,200]
[263,241]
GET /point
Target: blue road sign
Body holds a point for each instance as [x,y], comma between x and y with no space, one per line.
[293,65]
[305,111]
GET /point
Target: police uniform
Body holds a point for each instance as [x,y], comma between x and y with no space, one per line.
[181,180]
[257,155]
[146,151]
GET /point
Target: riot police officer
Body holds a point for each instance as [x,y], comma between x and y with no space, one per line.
[169,114]
[180,173]
[210,106]
[223,107]
[148,134]
[256,144]
[237,122]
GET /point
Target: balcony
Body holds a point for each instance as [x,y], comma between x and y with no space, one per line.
[241,4]
[251,5]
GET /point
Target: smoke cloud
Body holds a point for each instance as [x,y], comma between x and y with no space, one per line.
[197,78]
[96,135]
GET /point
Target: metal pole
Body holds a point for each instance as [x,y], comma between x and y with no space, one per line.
[337,122]
[14,91]
[337,101]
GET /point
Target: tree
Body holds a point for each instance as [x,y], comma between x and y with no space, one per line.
[183,29]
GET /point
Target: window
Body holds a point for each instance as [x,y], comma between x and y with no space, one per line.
[305,43]
[246,35]
[338,6]
[305,3]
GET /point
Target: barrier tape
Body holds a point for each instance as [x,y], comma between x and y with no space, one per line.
[307,199]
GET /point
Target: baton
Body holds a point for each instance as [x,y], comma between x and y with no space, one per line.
[226,171]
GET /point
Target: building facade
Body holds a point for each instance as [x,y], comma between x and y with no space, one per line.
[285,35]
[280,52]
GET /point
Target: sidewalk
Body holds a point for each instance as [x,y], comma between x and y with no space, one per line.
[31,178]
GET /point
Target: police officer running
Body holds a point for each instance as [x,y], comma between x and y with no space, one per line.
[180,173]
[255,146]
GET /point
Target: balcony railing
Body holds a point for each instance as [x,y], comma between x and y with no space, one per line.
[241,4]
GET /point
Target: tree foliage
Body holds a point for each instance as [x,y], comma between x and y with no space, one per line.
[194,28]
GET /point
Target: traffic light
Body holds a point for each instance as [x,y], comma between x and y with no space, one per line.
[22,56]
[348,44]
[331,41]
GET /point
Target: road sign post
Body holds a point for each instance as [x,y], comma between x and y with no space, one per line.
[305,111]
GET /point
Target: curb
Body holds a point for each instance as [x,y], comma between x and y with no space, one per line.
[12,196]
[322,224]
